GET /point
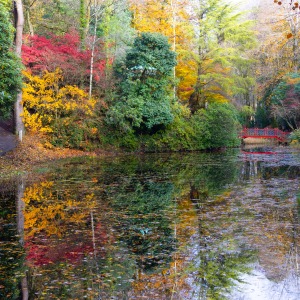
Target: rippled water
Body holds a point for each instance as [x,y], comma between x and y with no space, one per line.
[185,226]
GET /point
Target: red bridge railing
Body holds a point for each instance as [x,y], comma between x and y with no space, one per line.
[265,133]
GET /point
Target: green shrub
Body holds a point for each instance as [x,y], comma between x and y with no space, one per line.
[222,124]
[294,137]
[10,66]
[215,127]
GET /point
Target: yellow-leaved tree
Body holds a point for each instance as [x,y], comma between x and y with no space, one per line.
[63,114]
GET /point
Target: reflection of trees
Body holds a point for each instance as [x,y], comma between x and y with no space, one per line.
[268,165]
[112,229]
[220,260]
[143,220]
[218,270]
[93,227]
[51,211]
[11,251]
[64,239]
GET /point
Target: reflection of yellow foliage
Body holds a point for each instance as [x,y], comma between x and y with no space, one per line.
[50,211]
[45,100]
[172,280]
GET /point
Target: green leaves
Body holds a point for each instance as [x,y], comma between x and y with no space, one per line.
[10,67]
[144,98]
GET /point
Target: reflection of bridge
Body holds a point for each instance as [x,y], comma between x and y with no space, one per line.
[265,133]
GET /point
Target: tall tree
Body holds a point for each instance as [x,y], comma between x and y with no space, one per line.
[291,14]
[19,23]
[221,41]
[144,102]
[57,16]
[116,36]
[85,14]
[10,65]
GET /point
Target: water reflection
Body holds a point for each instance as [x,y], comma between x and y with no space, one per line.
[12,254]
[154,227]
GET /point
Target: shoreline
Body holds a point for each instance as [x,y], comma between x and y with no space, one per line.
[31,153]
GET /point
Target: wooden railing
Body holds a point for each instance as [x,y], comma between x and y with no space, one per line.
[265,133]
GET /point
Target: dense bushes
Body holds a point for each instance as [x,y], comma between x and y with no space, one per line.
[280,105]
[47,54]
[214,127]
[62,113]
[294,137]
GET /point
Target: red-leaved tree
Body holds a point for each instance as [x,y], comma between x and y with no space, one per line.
[49,53]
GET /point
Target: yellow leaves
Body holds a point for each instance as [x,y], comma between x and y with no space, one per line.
[94,131]
[292,81]
[45,100]
[49,211]
[186,72]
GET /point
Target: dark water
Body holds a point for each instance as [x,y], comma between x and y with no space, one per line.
[185,226]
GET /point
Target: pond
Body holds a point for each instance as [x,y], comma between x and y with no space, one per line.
[159,226]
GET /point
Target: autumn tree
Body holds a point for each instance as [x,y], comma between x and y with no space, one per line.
[278,63]
[221,41]
[116,36]
[43,17]
[62,113]
[284,104]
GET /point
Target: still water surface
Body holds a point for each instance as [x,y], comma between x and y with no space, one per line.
[181,226]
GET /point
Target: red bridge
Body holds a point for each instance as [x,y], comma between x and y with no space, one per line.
[265,133]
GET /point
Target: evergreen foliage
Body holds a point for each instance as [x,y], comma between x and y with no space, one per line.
[144,102]
[10,66]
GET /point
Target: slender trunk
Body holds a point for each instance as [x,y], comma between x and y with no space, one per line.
[92,55]
[30,26]
[174,45]
[20,226]
[19,21]
[84,12]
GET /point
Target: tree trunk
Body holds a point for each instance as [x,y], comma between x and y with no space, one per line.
[174,45]
[20,225]
[85,12]
[92,55]
[19,23]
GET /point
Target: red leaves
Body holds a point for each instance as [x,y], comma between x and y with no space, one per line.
[41,53]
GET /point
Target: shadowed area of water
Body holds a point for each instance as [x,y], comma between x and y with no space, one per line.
[182,226]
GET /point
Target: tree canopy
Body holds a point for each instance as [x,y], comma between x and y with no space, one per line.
[144,101]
